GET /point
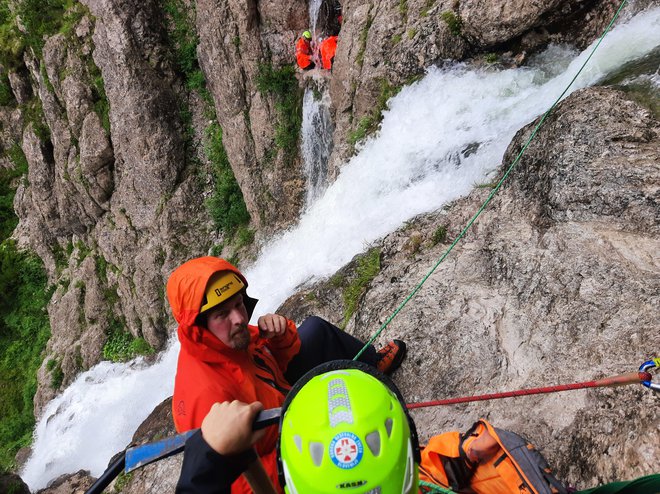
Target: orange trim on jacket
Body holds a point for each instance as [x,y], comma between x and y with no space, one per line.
[210,371]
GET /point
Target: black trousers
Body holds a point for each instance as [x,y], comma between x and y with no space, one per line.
[322,342]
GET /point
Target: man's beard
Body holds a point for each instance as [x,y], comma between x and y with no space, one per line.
[240,338]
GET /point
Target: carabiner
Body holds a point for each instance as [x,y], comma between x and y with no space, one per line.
[645,367]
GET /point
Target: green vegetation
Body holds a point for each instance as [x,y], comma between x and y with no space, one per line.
[453,21]
[101,268]
[368,266]
[61,256]
[226,204]
[40,18]
[427,7]
[122,480]
[365,126]
[56,373]
[6,94]
[24,332]
[184,40]
[33,113]
[83,252]
[411,33]
[396,39]
[8,219]
[11,39]
[282,85]
[403,8]
[101,103]
[492,58]
[359,59]
[439,235]
[244,236]
[121,346]
[369,123]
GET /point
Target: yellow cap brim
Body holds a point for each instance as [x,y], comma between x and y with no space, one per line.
[222,286]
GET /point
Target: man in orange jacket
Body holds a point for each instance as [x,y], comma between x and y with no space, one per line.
[223,358]
[327,48]
[304,51]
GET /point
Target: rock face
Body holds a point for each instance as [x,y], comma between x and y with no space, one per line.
[557,282]
[76,483]
[235,44]
[115,193]
[12,483]
[160,476]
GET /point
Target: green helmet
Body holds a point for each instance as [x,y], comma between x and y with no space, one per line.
[345,429]
[307,35]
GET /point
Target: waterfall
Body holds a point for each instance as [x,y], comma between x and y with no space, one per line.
[316,143]
[439,137]
[314,9]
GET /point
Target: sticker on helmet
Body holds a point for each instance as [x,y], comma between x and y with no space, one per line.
[346,450]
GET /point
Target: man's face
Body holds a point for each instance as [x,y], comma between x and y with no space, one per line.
[228,322]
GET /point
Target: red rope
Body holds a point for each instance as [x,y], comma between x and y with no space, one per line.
[614,381]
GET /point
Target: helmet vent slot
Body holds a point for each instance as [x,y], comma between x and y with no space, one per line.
[298,442]
[316,451]
[388,427]
[373,441]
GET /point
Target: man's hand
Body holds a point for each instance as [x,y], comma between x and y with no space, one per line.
[227,428]
[271,325]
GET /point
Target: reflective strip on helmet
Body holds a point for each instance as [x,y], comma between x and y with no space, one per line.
[409,486]
[339,404]
[289,487]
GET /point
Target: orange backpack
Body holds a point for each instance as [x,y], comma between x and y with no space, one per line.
[487,460]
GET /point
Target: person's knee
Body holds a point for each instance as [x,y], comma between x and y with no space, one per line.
[314,322]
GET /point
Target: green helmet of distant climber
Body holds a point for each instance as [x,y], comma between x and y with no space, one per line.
[344,430]
[307,35]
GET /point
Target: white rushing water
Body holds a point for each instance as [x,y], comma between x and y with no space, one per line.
[314,9]
[316,137]
[439,138]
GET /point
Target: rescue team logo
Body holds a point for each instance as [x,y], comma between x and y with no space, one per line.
[346,450]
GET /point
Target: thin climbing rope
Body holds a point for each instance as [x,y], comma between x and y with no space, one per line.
[429,487]
[494,191]
[620,380]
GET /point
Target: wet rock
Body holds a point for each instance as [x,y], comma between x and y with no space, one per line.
[555,283]
[76,483]
[10,482]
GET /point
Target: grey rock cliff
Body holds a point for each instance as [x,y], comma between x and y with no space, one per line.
[235,39]
[114,199]
[557,282]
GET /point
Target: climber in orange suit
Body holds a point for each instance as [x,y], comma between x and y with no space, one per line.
[328,47]
[304,51]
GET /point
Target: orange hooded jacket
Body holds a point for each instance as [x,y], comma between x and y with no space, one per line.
[303,53]
[210,371]
[328,48]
